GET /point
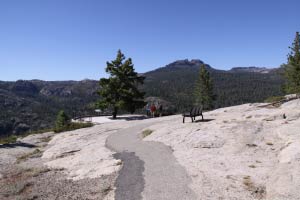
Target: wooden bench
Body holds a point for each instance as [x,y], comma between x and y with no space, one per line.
[194,112]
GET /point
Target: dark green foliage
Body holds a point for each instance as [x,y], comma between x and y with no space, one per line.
[274,99]
[8,139]
[40,131]
[28,106]
[73,126]
[175,83]
[292,68]
[62,120]
[120,90]
[63,123]
[204,89]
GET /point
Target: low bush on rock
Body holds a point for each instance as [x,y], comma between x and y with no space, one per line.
[63,123]
[146,132]
[72,126]
[274,99]
[24,157]
[9,139]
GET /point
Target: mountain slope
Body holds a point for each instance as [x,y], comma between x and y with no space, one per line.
[32,105]
[175,83]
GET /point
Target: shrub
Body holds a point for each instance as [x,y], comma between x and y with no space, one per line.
[274,99]
[40,131]
[13,138]
[8,139]
[67,127]
[62,120]
[33,154]
[72,126]
[146,132]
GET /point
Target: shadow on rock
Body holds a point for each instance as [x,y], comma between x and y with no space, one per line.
[130,118]
[17,144]
[204,120]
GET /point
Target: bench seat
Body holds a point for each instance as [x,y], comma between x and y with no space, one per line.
[194,112]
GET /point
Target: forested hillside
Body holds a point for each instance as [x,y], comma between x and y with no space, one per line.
[175,83]
[33,105]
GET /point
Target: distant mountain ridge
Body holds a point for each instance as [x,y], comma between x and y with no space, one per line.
[253,69]
[195,63]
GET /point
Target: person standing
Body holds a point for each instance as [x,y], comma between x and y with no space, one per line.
[148,113]
[160,109]
[153,109]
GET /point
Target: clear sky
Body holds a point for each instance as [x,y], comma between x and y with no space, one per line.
[73,39]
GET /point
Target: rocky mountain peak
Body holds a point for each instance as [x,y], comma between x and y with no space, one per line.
[186,62]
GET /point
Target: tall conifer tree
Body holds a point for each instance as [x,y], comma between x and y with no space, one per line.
[120,90]
[204,89]
[292,68]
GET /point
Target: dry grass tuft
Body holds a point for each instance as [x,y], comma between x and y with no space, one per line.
[19,187]
[146,133]
[258,192]
[247,181]
[46,139]
[36,153]
[38,171]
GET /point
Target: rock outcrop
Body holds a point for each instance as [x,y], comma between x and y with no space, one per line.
[251,151]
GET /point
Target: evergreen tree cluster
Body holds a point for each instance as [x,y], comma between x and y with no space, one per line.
[120,90]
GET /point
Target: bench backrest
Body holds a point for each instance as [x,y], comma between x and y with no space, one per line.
[192,111]
[196,111]
[200,110]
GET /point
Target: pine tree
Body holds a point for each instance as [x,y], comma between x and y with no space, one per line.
[120,90]
[61,120]
[204,89]
[292,68]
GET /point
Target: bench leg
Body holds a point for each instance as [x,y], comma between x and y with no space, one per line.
[192,119]
[183,120]
[202,117]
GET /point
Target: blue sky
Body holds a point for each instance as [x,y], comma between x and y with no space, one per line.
[73,39]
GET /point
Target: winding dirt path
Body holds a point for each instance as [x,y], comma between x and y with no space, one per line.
[150,171]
